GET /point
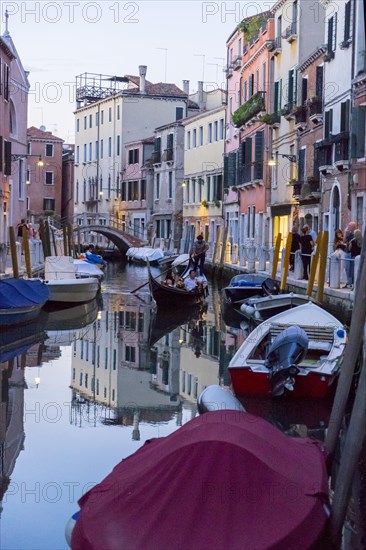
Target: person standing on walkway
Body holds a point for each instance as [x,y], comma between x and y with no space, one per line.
[198,254]
[348,236]
[295,246]
[307,245]
[20,231]
[354,248]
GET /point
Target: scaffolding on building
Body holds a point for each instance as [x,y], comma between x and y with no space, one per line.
[92,87]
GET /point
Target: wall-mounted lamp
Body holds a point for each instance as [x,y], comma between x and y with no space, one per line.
[18,157]
[274,161]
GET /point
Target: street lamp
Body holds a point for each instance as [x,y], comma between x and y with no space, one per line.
[40,161]
[274,161]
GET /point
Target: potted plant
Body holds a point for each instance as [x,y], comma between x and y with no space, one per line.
[204,203]
[217,203]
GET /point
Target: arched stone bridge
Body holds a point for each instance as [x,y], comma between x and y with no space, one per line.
[121,239]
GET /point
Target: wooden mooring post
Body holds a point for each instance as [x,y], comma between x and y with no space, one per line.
[13,252]
[323,245]
[276,255]
[286,262]
[26,251]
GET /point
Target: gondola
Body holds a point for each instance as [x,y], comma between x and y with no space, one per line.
[169,296]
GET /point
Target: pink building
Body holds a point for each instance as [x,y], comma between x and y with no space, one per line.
[44,183]
[246,152]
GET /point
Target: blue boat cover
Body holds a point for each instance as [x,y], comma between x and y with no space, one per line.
[245,284]
[16,293]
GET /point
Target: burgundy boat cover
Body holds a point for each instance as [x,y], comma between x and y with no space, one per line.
[225,480]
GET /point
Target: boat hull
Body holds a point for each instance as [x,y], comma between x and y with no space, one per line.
[73,290]
[244,381]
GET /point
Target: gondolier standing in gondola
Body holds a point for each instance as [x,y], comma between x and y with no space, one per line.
[198,254]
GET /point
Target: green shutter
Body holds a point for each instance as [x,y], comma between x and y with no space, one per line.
[358,132]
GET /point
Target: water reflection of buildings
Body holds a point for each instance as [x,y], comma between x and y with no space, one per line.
[111,368]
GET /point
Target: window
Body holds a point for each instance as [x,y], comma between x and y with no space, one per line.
[245,91]
[328,123]
[77,125]
[130,354]
[277,96]
[49,204]
[49,149]
[264,79]
[301,165]
[319,82]
[332,34]
[110,114]
[133,156]
[118,112]
[345,111]
[251,85]
[97,119]
[221,128]
[118,145]
[170,185]
[96,150]
[109,147]
[133,190]
[85,123]
[143,190]
[102,117]
[279,27]
[101,148]
[259,155]
[304,90]
[90,121]
[49,178]
[157,186]
[291,92]
[200,135]
[178,113]
[239,47]
[209,139]
[194,138]
[216,130]
[188,140]
[347,21]
[77,153]
[124,191]
[169,141]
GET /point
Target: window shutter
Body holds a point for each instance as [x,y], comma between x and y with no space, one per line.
[347,21]
[290,91]
[276,96]
[258,147]
[301,172]
[7,158]
[226,171]
[304,90]
[330,34]
[232,169]
[1,153]
[319,82]
[358,132]
[344,127]
[248,160]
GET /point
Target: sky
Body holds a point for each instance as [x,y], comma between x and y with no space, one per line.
[58,40]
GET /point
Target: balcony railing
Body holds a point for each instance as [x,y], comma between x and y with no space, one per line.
[277,45]
[341,152]
[300,114]
[272,119]
[156,157]
[168,155]
[323,151]
[315,106]
[290,34]
[247,111]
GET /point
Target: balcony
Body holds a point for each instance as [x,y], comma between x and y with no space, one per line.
[290,34]
[328,56]
[272,119]
[323,152]
[341,153]
[297,189]
[91,201]
[168,155]
[277,45]
[313,181]
[156,157]
[237,62]
[229,70]
[316,110]
[250,109]
[288,111]
[300,118]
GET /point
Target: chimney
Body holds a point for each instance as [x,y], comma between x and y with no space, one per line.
[201,100]
[142,71]
[186,86]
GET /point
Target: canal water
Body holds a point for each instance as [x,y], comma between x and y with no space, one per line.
[85,387]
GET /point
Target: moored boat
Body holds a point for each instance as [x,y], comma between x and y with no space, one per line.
[259,308]
[143,254]
[231,461]
[245,285]
[305,360]
[21,300]
[64,287]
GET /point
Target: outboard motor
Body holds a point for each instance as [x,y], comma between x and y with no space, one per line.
[286,351]
[270,287]
[216,398]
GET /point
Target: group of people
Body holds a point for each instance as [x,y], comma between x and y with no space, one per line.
[190,283]
[305,243]
[347,245]
[31,232]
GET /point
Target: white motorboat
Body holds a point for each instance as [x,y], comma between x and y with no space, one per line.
[85,269]
[144,253]
[298,350]
[64,286]
[259,308]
